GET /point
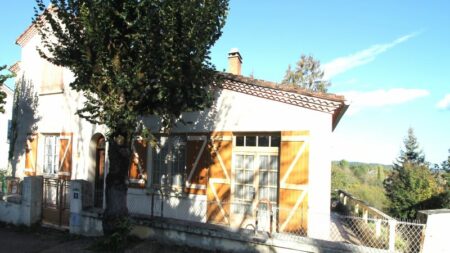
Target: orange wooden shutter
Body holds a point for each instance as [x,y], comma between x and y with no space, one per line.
[134,173]
[197,161]
[293,196]
[65,156]
[30,156]
[219,183]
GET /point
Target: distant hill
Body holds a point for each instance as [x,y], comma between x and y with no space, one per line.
[363,180]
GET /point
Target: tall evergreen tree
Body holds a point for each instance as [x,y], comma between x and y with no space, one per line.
[307,74]
[132,58]
[411,181]
[411,151]
[3,78]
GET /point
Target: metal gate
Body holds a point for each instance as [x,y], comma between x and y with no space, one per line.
[56,202]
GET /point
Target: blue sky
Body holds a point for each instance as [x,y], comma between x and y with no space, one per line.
[391,59]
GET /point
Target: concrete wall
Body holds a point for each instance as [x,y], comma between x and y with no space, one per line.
[184,207]
[212,238]
[436,232]
[83,219]
[27,210]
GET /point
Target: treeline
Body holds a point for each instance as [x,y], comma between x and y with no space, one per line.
[409,185]
[362,180]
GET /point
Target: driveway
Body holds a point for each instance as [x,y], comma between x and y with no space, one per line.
[37,239]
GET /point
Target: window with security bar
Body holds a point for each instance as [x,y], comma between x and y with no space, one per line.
[169,162]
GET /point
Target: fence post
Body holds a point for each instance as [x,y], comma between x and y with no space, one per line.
[392,225]
[365,214]
[378,228]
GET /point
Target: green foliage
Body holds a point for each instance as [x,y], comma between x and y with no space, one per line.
[133,58]
[411,181]
[362,180]
[3,78]
[407,186]
[307,74]
[117,241]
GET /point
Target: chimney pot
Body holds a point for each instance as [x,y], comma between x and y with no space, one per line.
[234,61]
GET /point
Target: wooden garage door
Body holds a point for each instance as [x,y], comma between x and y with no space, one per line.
[294,159]
[218,188]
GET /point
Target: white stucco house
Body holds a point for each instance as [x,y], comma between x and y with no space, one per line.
[5,123]
[260,144]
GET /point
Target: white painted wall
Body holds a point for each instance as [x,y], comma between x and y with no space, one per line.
[56,114]
[186,207]
[240,112]
[4,118]
[436,233]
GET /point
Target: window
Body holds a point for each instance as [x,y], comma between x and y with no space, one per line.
[257,141]
[256,171]
[52,78]
[51,154]
[169,162]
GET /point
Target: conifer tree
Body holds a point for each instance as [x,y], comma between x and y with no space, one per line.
[132,58]
[411,181]
[411,152]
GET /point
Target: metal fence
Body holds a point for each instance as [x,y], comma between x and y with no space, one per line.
[366,234]
[374,234]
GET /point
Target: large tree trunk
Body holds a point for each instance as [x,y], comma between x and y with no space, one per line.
[116,188]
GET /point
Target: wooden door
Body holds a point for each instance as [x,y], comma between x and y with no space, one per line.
[31,155]
[197,162]
[218,189]
[293,193]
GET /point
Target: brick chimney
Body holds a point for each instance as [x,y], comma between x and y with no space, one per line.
[234,61]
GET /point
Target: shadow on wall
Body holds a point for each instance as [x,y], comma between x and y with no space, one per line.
[24,119]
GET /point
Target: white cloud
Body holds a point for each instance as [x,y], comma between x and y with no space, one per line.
[444,103]
[379,98]
[345,63]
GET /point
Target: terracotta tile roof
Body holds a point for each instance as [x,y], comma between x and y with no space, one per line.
[15,68]
[289,94]
[26,35]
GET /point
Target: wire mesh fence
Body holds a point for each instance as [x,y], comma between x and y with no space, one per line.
[368,234]
[390,235]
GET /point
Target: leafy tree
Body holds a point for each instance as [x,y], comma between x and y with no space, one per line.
[307,74]
[411,181]
[3,78]
[362,180]
[132,58]
[408,186]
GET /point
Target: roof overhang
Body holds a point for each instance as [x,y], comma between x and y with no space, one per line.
[336,105]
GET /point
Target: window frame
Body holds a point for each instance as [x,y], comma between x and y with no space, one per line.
[170,170]
[257,151]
